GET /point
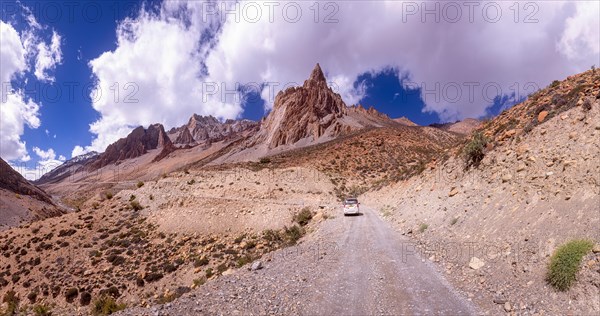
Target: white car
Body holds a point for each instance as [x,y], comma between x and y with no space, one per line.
[351,206]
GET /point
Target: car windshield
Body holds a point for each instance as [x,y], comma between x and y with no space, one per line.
[351,201]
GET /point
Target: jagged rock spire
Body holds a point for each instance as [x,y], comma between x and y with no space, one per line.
[317,74]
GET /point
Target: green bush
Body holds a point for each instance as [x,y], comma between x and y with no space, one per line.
[136,206]
[474,150]
[565,262]
[293,234]
[200,262]
[42,310]
[199,281]
[108,195]
[271,235]
[106,305]
[423,227]
[303,217]
[12,303]
[140,184]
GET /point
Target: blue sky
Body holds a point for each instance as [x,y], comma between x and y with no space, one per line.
[170,51]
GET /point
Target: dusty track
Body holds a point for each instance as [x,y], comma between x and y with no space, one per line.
[351,266]
[379,273]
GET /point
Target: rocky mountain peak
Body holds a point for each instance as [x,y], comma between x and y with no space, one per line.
[303,112]
[316,76]
[137,143]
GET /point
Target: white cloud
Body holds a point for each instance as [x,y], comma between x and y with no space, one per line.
[17,111]
[44,154]
[372,36]
[157,67]
[47,161]
[48,56]
[78,151]
[580,39]
[162,54]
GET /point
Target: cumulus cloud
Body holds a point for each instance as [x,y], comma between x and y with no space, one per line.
[44,155]
[461,56]
[46,162]
[48,56]
[16,112]
[19,51]
[491,54]
[158,71]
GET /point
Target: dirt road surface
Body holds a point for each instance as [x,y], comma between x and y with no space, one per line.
[350,266]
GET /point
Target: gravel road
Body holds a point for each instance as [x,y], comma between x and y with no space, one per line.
[350,266]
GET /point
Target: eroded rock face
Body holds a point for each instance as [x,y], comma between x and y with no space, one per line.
[207,129]
[306,111]
[137,143]
[13,181]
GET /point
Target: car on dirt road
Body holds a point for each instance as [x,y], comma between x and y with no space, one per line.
[350,206]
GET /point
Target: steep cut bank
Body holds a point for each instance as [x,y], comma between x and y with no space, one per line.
[21,201]
[493,228]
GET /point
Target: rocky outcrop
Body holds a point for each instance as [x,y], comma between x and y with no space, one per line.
[464,127]
[208,129]
[301,112]
[405,121]
[137,143]
[184,137]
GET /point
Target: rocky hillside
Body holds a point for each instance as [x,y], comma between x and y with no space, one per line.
[493,228]
[136,144]
[67,169]
[21,201]
[371,158]
[464,127]
[207,129]
[405,121]
[152,242]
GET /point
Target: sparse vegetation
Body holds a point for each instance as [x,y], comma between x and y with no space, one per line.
[265,160]
[106,305]
[136,206]
[293,234]
[200,262]
[140,184]
[42,310]
[423,227]
[12,303]
[190,182]
[303,217]
[565,262]
[199,281]
[474,150]
[454,221]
